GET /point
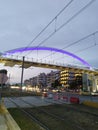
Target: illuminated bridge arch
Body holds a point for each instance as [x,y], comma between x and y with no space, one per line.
[24,49]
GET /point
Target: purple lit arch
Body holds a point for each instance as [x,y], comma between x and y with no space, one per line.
[23,49]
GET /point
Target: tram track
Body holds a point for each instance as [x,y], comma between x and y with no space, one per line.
[30,115]
[73,107]
[29,112]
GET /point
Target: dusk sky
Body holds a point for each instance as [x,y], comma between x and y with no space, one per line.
[22,20]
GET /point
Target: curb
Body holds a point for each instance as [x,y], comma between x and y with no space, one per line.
[11,123]
[91,104]
[7,120]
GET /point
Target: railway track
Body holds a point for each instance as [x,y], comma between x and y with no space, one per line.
[52,115]
[30,115]
[73,107]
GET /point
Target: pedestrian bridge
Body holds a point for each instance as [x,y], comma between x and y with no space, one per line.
[9,58]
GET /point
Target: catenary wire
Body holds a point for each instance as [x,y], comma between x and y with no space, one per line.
[70,19]
[80,50]
[73,43]
[80,40]
[49,23]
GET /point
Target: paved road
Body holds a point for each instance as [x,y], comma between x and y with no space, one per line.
[41,101]
[25,101]
[89,98]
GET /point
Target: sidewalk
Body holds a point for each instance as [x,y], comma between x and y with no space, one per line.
[6,120]
[3,125]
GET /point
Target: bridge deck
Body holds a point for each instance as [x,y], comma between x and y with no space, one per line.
[12,62]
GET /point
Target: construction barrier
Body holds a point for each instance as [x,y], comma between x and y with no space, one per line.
[44,94]
[74,100]
[64,98]
[50,95]
[56,97]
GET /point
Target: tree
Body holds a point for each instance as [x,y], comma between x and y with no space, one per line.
[55,84]
[73,85]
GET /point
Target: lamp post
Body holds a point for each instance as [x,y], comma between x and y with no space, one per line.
[22,72]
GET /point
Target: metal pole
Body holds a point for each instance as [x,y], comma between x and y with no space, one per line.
[22,72]
[2,78]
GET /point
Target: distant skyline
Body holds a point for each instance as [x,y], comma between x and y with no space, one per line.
[22,20]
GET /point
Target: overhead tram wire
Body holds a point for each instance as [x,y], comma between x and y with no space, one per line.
[65,7]
[70,19]
[81,10]
[73,43]
[95,44]
[86,48]
[80,50]
[80,39]
[94,39]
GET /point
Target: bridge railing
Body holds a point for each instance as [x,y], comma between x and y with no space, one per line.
[52,62]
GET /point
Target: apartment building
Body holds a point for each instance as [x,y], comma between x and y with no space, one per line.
[43,80]
[52,76]
[70,79]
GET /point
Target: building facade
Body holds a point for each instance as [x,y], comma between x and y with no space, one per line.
[90,82]
[43,80]
[73,80]
[76,80]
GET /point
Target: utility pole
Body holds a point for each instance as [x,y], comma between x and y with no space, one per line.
[22,72]
[2,79]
